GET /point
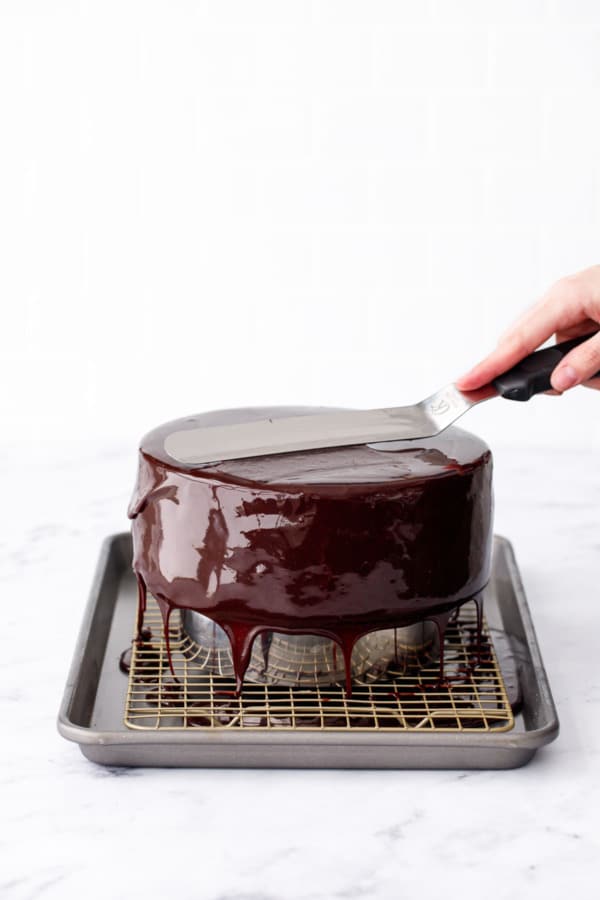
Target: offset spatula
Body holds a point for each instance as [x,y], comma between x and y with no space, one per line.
[263,437]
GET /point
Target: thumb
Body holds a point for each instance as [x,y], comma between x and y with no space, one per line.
[578,366]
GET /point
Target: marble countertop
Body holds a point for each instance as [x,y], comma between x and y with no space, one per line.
[69,828]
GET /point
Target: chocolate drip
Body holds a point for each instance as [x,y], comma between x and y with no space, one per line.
[141,608]
[337,543]
[148,661]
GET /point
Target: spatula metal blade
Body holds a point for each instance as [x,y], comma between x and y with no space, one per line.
[216,443]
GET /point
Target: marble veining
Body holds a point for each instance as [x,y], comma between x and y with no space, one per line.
[72,829]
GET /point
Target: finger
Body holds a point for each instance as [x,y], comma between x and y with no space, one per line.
[587,326]
[522,320]
[555,313]
[580,292]
[578,366]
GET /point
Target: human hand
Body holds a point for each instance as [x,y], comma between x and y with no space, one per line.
[569,309]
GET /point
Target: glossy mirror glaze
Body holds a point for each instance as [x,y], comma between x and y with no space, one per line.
[336,542]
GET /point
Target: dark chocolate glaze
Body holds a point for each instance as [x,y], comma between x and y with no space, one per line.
[336,542]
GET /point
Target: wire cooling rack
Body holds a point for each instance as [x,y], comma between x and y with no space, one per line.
[409,696]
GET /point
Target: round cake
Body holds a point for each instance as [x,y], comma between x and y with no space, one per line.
[338,542]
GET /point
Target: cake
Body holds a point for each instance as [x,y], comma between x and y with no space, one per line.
[337,542]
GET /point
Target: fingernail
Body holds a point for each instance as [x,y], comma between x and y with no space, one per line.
[564,378]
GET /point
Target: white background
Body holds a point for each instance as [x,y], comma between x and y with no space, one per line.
[210,204]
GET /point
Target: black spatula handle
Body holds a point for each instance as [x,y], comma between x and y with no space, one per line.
[532,375]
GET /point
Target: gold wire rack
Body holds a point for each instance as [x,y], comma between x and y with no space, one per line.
[408,697]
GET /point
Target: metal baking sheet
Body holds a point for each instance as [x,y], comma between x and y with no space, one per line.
[91,713]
